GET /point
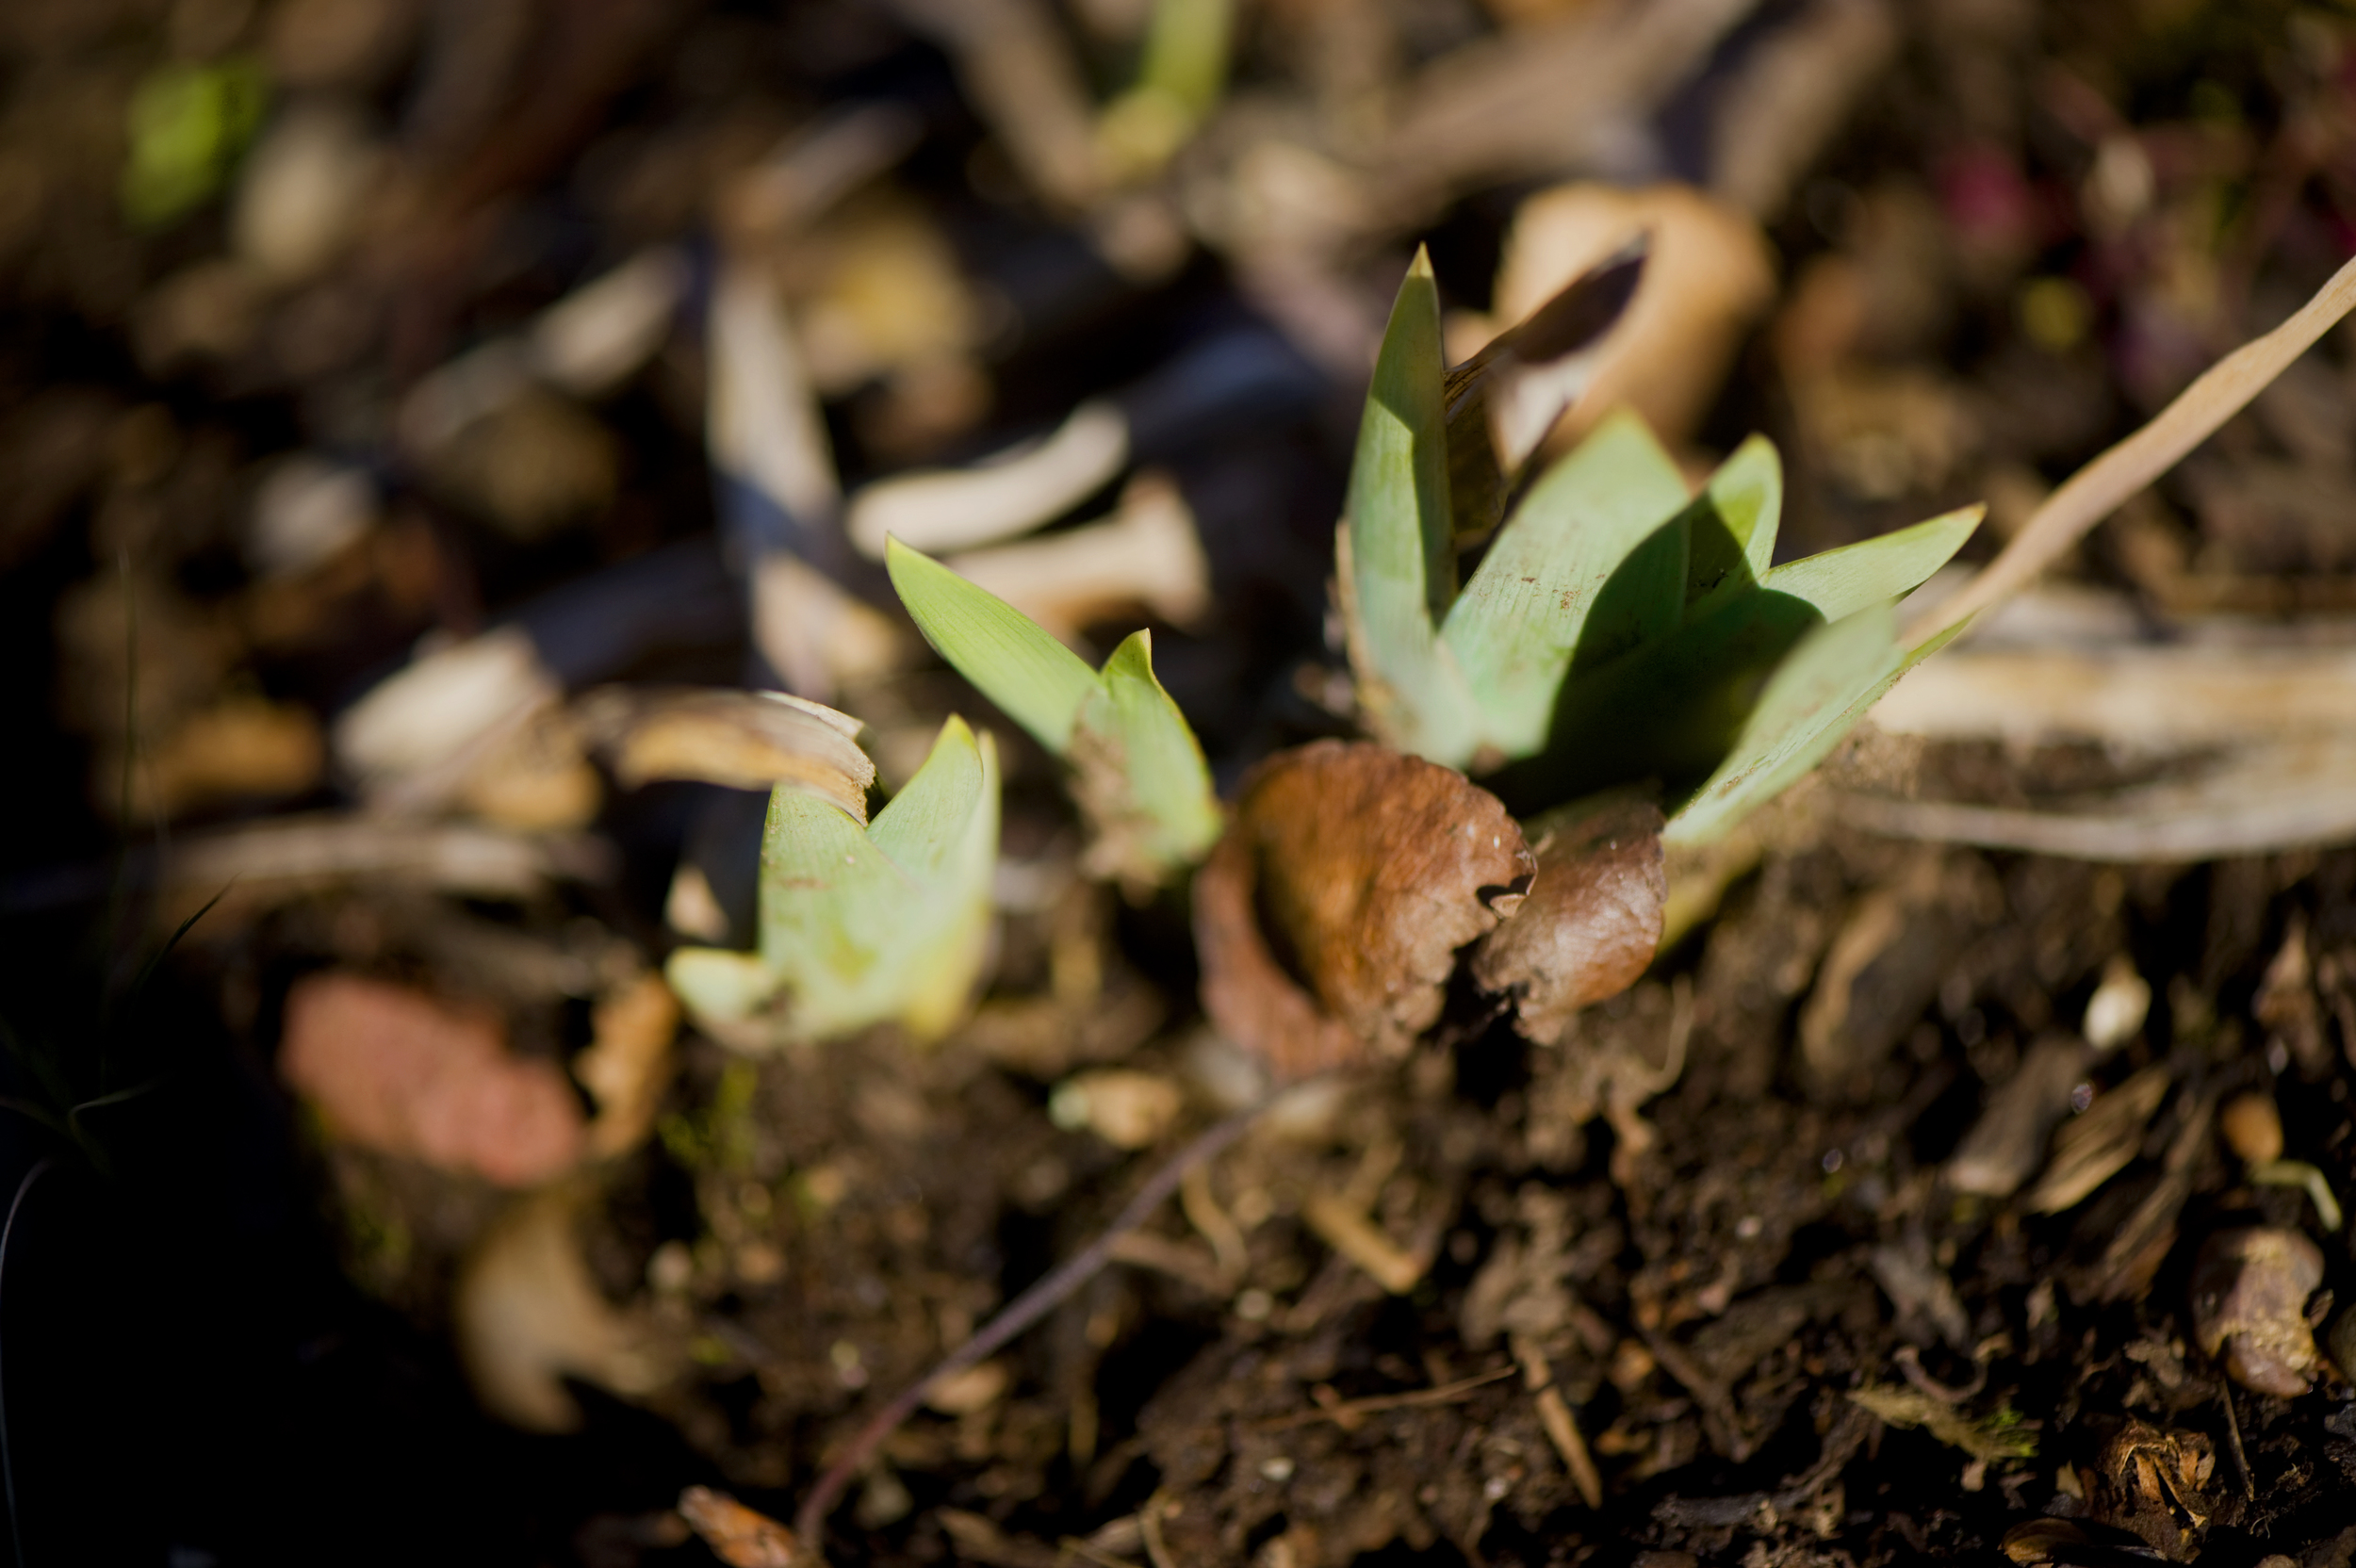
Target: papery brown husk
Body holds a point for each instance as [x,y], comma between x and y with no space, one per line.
[1330,915]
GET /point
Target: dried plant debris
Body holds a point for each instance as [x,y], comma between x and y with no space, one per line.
[2250,1291]
[628,1066]
[743,739]
[2004,1147]
[1592,921]
[738,1536]
[527,1315]
[394,1071]
[2002,1434]
[1330,915]
[2152,1482]
[2100,1144]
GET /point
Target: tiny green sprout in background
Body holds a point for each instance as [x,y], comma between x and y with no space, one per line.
[864,924]
[188,123]
[1138,771]
[1616,629]
[1182,72]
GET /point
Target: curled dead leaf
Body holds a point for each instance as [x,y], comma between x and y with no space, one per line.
[744,740]
[1592,921]
[1328,916]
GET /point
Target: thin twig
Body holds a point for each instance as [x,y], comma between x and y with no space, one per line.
[2233,1432]
[1341,1413]
[2097,490]
[1043,1297]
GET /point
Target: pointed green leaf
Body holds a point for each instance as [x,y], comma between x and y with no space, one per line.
[1733,522]
[890,922]
[1815,697]
[1139,773]
[1038,682]
[1843,582]
[943,827]
[1398,553]
[1526,613]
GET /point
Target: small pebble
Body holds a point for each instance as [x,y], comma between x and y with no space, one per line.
[2252,1127]
[976,1388]
[2250,1290]
[1126,1108]
[2118,1007]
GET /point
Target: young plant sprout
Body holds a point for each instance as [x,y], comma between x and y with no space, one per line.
[1137,770]
[863,922]
[1615,631]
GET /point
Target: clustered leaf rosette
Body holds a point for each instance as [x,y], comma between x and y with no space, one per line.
[1624,666]
[1616,629]
[862,922]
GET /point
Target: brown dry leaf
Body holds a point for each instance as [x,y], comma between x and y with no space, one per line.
[1709,277]
[1328,916]
[738,1536]
[744,740]
[627,1064]
[392,1069]
[531,467]
[1592,921]
[2250,1291]
[2100,1144]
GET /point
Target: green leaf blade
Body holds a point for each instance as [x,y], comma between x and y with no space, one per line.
[1141,773]
[1526,615]
[1841,582]
[1034,680]
[1815,697]
[1734,522]
[1398,553]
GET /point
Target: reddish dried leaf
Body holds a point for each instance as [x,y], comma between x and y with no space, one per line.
[1328,916]
[1592,921]
[394,1071]
[738,1536]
